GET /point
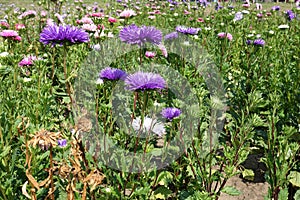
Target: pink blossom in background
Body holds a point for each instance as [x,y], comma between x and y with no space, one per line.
[50,22]
[27,14]
[163,50]
[259,15]
[89,27]
[246,5]
[59,17]
[19,26]
[186,12]
[85,20]
[98,15]
[258,6]
[112,20]
[127,13]
[4,24]
[26,62]
[17,38]
[200,20]
[150,54]
[225,35]
[268,14]
[43,13]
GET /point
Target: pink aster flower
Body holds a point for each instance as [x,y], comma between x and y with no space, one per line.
[4,24]
[225,35]
[20,26]
[89,27]
[150,54]
[26,62]
[112,20]
[27,14]
[127,13]
[97,15]
[9,34]
[200,20]
[163,50]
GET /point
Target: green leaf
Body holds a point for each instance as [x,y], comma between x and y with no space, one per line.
[231,191]
[297,195]
[162,192]
[283,194]
[164,178]
[248,174]
[294,178]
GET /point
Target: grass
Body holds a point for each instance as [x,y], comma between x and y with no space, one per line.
[29,3]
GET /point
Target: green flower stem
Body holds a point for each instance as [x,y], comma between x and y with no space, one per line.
[66,73]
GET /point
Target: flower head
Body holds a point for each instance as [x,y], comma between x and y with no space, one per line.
[26,62]
[63,34]
[9,33]
[150,54]
[127,13]
[276,8]
[62,142]
[238,16]
[27,14]
[187,30]
[171,36]
[170,113]
[133,34]
[290,15]
[283,26]
[225,35]
[149,125]
[259,42]
[112,74]
[144,81]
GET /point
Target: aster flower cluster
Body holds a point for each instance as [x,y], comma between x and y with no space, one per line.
[63,34]
[187,30]
[133,34]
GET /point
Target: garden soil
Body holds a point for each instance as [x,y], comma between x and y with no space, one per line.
[250,190]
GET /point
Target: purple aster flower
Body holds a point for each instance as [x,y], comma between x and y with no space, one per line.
[144,81]
[171,36]
[170,113]
[112,74]
[259,42]
[187,30]
[54,34]
[276,8]
[62,142]
[238,16]
[249,42]
[290,15]
[133,34]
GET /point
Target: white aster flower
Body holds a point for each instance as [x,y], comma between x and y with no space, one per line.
[149,125]
[283,26]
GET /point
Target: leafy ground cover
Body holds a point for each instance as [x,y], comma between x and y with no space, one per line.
[149,100]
